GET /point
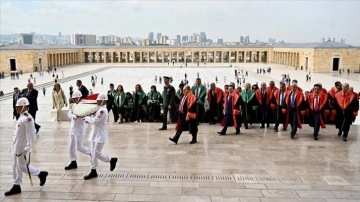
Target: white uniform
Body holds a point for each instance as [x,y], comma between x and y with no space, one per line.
[77,133]
[98,135]
[24,136]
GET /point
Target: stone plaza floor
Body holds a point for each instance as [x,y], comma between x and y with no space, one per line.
[257,165]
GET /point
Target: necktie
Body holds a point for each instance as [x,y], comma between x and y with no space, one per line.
[197,92]
[28,92]
[293,100]
[281,98]
[181,107]
[316,103]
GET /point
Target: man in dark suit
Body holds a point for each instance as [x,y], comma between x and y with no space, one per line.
[31,94]
[110,102]
[84,91]
[16,96]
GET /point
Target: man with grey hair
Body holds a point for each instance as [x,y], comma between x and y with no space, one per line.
[347,107]
[31,94]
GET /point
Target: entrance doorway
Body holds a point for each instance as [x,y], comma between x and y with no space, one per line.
[40,65]
[12,64]
[336,62]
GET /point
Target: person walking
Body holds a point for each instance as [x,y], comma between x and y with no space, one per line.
[168,102]
[31,94]
[98,137]
[59,100]
[77,133]
[21,148]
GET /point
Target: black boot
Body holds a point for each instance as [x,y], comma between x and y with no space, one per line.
[92,174]
[113,163]
[16,189]
[72,165]
[42,176]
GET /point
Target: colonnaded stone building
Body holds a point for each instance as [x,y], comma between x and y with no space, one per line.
[317,57]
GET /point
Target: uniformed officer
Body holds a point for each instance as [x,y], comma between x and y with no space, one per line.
[168,102]
[77,132]
[98,136]
[24,135]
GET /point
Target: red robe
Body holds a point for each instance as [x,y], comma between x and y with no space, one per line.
[277,99]
[269,95]
[191,111]
[323,101]
[299,99]
[219,94]
[235,109]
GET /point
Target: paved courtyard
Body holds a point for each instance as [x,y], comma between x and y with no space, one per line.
[257,165]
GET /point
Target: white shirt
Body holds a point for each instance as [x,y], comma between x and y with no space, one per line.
[99,125]
[77,125]
[24,134]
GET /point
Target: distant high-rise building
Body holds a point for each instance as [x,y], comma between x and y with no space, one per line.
[247,40]
[109,40]
[203,37]
[151,36]
[220,41]
[242,39]
[272,41]
[27,38]
[60,34]
[185,38]
[83,39]
[195,38]
[178,38]
[158,35]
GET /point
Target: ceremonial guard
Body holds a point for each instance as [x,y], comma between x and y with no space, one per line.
[77,132]
[280,111]
[247,102]
[199,91]
[347,106]
[168,102]
[21,148]
[98,137]
[215,98]
[232,110]
[187,116]
[293,102]
[317,101]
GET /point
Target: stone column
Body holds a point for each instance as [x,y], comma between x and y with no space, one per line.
[177,56]
[163,57]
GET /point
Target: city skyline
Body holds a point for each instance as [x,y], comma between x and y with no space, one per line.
[292,21]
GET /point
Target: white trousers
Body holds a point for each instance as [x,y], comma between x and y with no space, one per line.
[19,167]
[97,154]
[76,143]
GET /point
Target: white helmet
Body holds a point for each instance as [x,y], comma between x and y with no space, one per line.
[21,102]
[102,96]
[76,94]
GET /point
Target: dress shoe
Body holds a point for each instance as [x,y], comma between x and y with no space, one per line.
[92,174]
[292,135]
[162,128]
[72,165]
[37,130]
[262,126]
[173,140]
[246,127]
[221,133]
[268,125]
[113,163]
[315,138]
[237,132]
[16,189]
[344,139]
[339,133]
[42,176]
[193,142]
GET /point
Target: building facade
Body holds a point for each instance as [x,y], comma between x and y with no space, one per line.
[317,57]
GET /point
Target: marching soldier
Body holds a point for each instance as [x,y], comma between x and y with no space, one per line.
[98,137]
[77,132]
[21,147]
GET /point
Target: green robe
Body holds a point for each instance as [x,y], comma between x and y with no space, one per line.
[202,94]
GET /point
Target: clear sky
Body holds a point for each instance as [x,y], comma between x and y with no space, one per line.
[288,20]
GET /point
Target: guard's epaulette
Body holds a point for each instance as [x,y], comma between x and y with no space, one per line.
[26,114]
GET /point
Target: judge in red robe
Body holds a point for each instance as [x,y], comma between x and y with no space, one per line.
[232,111]
[264,97]
[293,102]
[330,112]
[317,101]
[215,98]
[347,107]
[187,116]
[280,106]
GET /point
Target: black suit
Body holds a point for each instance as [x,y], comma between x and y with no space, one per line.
[16,96]
[33,106]
[84,91]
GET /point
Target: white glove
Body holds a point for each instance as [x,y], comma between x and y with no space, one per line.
[74,117]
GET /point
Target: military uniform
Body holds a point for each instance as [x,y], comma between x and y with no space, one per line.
[23,138]
[98,137]
[168,100]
